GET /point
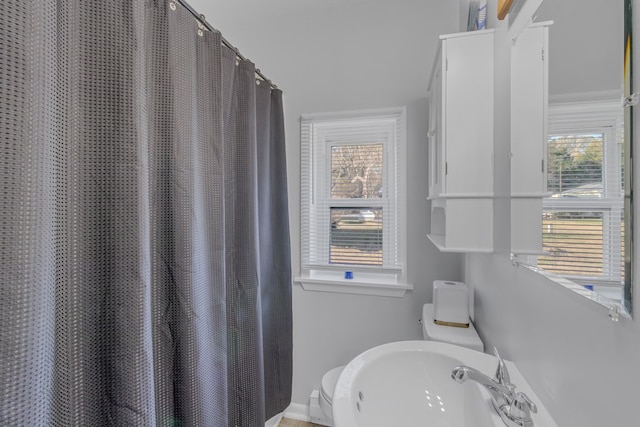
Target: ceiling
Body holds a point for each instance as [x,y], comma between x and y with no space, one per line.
[237,9]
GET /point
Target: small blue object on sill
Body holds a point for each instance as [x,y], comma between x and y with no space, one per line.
[348,275]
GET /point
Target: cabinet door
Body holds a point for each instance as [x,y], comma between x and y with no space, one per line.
[529,98]
[436,159]
[528,113]
[468,113]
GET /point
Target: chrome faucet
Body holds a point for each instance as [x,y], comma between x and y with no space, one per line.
[513,407]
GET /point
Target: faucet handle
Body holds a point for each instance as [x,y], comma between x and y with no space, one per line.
[521,408]
[502,373]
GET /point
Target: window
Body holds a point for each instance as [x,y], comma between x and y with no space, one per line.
[352,196]
[582,222]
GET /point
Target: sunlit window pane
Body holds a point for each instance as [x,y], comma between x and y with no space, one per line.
[356,236]
[356,171]
[575,166]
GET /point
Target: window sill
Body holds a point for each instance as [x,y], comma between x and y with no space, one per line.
[353,287]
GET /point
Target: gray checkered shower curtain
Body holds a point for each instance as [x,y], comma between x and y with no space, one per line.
[144,241]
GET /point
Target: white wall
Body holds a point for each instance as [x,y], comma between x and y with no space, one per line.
[585,50]
[580,363]
[364,54]
[370,54]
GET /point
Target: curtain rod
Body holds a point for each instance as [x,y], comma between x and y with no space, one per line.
[200,17]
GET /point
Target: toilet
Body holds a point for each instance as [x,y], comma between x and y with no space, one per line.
[463,337]
[325,397]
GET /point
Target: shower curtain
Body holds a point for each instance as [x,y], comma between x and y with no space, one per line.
[144,240]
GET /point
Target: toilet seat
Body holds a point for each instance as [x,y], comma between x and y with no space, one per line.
[325,400]
[329,381]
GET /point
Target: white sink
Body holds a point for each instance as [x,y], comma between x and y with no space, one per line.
[409,383]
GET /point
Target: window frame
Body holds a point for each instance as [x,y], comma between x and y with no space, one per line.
[319,133]
[597,117]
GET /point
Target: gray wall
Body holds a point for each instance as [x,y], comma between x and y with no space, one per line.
[378,54]
[362,54]
[578,361]
[585,45]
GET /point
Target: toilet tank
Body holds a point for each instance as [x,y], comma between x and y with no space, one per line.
[464,337]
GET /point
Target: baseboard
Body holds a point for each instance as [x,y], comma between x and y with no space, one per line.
[275,420]
[297,411]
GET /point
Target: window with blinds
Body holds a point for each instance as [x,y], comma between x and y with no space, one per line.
[351,191]
[582,225]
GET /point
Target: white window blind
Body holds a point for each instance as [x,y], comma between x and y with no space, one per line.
[582,224]
[351,191]
[584,244]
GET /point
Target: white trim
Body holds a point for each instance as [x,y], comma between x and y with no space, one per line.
[320,132]
[583,204]
[354,288]
[353,114]
[529,195]
[520,16]
[601,113]
[582,98]
[401,193]
[584,113]
[570,285]
[274,421]
[298,412]
[363,268]
[466,34]
[462,196]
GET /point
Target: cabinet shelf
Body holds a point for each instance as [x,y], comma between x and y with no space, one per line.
[440,243]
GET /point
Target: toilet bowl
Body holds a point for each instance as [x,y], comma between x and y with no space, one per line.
[325,398]
[463,337]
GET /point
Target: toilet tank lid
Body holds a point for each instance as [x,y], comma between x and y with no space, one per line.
[464,337]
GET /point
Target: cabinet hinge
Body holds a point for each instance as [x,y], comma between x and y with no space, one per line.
[542,162]
[446,168]
[446,64]
[543,54]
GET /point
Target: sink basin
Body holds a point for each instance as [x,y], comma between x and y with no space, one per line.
[409,383]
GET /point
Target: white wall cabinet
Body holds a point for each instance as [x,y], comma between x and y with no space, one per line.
[529,101]
[461,143]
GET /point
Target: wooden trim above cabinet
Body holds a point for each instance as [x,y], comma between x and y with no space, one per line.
[503,8]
